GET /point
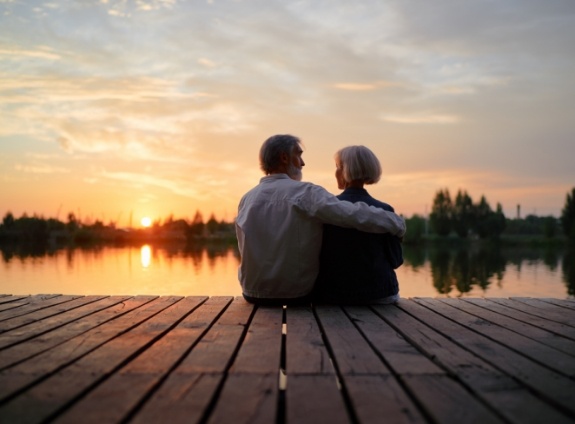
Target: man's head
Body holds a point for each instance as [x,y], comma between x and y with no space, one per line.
[282,154]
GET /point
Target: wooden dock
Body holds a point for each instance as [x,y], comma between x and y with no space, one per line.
[148,359]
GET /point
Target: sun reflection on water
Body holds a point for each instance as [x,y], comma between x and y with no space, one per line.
[146,255]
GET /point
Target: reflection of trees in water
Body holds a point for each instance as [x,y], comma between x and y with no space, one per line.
[171,252]
[462,268]
[195,252]
[569,270]
[414,256]
[440,275]
[551,256]
[25,250]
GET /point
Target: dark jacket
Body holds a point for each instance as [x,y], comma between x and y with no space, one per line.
[357,267]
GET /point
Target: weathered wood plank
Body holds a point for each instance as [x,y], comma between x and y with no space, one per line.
[247,399]
[564,303]
[14,298]
[447,402]
[548,311]
[510,308]
[311,390]
[182,398]
[40,315]
[468,370]
[552,358]
[115,398]
[23,375]
[315,399]
[48,397]
[375,398]
[353,355]
[382,396]
[481,379]
[361,369]
[33,332]
[555,388]
[397,352]
[476,308]
[186,395]
[250,392]
[185,360]
[306,352]
[261,348]
[22,305]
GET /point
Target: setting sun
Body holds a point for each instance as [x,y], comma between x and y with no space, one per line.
[146,221]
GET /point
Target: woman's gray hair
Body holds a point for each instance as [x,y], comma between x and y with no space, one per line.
[358,163]
[272,149]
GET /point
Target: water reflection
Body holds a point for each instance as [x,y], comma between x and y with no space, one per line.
[568,266]
[211,269]
[146,255]
[463,268]
[457,271]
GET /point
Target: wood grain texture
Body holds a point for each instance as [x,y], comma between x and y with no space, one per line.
[148,359]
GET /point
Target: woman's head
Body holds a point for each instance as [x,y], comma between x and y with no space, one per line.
[358,165]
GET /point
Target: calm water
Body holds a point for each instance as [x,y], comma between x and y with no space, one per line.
[430,272]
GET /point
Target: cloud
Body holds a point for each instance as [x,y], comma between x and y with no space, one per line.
[355,86]
[206,62]
[40,52]
[182,188]
[421,119]
[40,169]
[365,86]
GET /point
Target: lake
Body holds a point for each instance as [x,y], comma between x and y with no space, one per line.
[430,271]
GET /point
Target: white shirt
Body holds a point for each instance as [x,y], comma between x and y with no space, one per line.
[279,230]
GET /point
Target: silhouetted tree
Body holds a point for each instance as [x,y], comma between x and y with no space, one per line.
[463,214]
[73,223]
[212,225]
[568,215]
[550,226]
[496,222]
[441,213]
[416,229]
[568,266]
[8,220]
[197,225]
[482,214]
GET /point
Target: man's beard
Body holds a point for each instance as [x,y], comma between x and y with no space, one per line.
[294,172]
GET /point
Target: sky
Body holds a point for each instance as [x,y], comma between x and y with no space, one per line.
[119,109]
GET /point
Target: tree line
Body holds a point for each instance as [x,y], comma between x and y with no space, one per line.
[464,218]
[37,229]
[460,217]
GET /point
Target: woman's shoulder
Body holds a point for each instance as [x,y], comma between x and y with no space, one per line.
[361,195]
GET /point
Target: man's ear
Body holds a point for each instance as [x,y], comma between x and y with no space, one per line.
[284,158]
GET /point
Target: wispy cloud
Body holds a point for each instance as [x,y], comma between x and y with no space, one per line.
[431,119]
[40,169]
[180,187]
[44,53]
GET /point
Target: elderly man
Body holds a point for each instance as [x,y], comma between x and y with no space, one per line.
[279,226]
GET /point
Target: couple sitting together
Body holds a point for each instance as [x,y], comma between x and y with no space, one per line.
[300,244]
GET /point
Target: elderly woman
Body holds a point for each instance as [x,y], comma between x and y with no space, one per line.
[358,267]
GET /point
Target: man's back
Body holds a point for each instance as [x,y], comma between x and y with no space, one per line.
[279,243]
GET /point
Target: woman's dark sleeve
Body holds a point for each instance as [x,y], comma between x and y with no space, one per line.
[393,251]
